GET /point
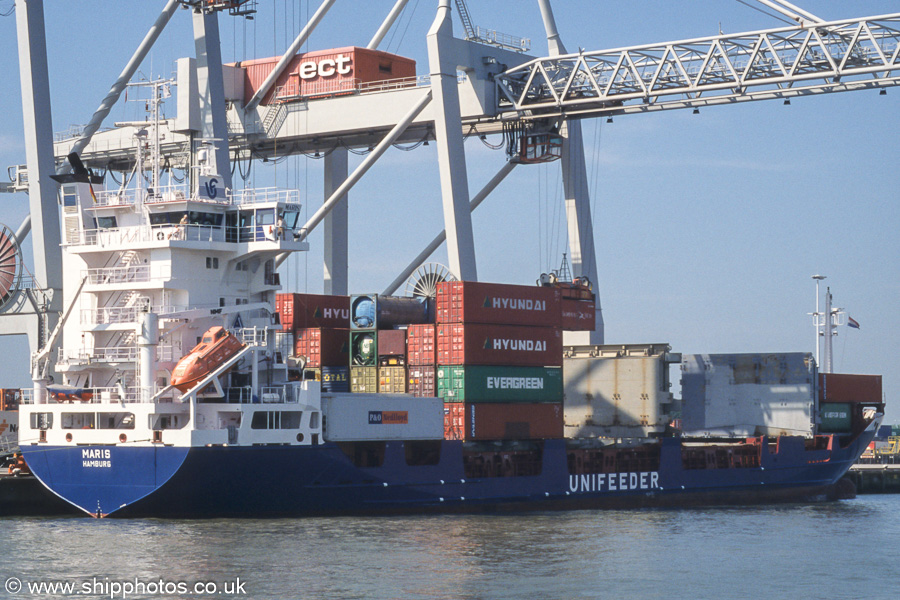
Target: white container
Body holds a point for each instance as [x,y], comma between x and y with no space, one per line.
[379,417]
[617,391]
[741,395]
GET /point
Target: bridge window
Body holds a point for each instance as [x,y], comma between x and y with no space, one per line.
[115,420]
[77,420]
[276,419]
[106,223]
[41,420]
[159,422]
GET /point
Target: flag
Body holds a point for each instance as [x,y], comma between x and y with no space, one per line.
[851,322]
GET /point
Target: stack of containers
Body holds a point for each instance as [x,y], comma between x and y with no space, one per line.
[377,346]
[499,361]
[319,327]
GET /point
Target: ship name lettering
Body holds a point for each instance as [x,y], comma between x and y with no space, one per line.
[515,383]
[521,345]
[518,304]
[95,453]
[613,482]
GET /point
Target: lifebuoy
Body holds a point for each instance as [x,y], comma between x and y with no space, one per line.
[160,235]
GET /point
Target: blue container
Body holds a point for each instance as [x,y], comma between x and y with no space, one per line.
[371,311]
[335,379]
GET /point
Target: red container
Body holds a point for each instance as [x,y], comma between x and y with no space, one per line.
[503,421]
[327,73]
[422,381]
[842,387]
[323,347]
[504,345]
[391,342]
[421,344]
[575,291]
[498,304]
[312,310]
[578,315]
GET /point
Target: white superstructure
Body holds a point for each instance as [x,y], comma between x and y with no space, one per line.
[148,270]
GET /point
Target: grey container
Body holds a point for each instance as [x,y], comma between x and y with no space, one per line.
[618,391]
[742,395]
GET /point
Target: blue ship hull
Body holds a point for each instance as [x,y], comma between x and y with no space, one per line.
[272,481]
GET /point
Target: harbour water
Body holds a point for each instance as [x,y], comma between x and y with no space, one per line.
[825,550]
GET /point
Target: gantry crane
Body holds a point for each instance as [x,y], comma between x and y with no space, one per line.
[503,90]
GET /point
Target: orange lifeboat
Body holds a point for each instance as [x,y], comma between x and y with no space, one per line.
[216,347]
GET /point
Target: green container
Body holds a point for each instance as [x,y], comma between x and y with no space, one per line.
[364,348]
[474,384]
[834,417]
[364,380]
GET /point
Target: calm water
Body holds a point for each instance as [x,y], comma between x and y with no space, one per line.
[829,550]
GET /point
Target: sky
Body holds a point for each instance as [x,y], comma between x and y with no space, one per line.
[708,226]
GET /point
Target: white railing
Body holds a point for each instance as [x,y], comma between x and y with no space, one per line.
[252,336]
[181,193]
[147,233]
[281,394]
[132,394]
[141,234]
[169,193]
[263,195]
[129,314]
[386,85]
[115,354]
[133,274]
[112,315]
[504,40]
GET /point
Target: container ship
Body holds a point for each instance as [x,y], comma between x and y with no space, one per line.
[180,381]
[229,398]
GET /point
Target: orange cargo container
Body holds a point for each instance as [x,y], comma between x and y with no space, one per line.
[578,315]
[297,311]
[855,389]
[502,421]
[326,73]
[323,347]
[421,345]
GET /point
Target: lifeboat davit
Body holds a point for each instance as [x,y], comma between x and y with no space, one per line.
[216,347]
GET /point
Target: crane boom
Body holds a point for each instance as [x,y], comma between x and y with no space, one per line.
[776,63]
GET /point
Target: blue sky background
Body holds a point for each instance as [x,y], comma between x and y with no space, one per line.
[708,227]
